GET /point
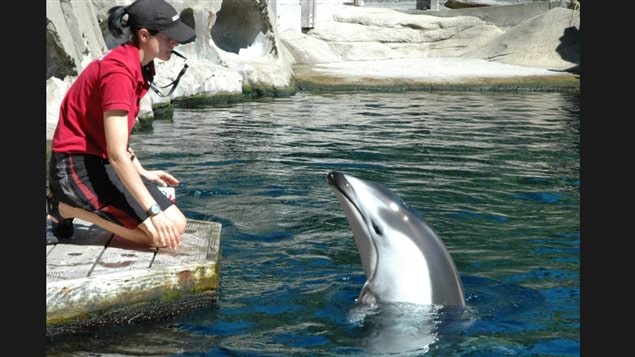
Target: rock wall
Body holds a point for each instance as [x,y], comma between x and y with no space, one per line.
[556,46]
[549,40]
[377,33]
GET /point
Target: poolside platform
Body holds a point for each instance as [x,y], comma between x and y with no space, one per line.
[97,279]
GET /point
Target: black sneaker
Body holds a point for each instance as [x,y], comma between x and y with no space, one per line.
[50,237]
[63,229]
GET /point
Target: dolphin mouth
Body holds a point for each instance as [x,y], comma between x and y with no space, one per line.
[337,180]
[340,183]
[357,220]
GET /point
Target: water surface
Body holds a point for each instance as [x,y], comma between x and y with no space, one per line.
[496,175]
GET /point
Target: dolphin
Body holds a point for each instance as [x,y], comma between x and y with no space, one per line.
[402,257]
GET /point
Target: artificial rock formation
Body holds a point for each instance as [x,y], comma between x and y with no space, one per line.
[239,50]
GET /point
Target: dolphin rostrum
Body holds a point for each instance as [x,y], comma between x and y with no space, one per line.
[402,258]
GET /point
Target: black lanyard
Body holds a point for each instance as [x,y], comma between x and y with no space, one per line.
[157,89]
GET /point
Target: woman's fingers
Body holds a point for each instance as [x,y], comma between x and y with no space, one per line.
[166,233]
[170,235]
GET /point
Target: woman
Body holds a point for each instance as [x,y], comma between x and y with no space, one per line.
[94,175]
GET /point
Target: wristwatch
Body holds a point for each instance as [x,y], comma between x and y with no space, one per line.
[153,210]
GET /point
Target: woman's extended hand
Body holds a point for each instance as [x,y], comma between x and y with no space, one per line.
[161,177]
[166,234]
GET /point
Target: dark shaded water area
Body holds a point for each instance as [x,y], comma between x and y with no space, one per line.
[496,176]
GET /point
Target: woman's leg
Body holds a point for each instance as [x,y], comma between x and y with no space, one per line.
[142,234]
[84,183]
[175,215]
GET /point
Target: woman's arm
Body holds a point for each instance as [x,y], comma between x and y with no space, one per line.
[116,128]
[135,161]
[161,177]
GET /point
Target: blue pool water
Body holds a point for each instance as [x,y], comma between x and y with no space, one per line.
[496,175]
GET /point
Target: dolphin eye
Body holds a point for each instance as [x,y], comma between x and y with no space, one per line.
[376,229]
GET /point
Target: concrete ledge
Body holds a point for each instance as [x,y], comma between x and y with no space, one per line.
[98,279]
[431,74]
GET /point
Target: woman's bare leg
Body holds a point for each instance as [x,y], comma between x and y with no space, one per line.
[141,234]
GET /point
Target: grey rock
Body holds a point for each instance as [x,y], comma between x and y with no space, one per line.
[550,40]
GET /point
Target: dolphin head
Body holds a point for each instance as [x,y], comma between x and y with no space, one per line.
[402,258]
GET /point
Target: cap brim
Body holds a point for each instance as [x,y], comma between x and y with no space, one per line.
[180,32]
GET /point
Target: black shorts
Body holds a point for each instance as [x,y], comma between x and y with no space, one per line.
[89,182]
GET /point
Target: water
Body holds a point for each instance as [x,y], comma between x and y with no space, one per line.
[496,175]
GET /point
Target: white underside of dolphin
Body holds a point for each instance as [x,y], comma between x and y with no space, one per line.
[402,258]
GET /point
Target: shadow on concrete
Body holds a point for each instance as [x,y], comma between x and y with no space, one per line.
[569,48]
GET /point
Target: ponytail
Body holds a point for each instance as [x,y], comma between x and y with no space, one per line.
[116,21]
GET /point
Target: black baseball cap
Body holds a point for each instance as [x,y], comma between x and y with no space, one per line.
[160,16]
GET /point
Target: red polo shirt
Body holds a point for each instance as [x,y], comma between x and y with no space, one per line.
[113,81]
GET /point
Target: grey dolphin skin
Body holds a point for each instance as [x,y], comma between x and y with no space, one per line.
[402,258]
